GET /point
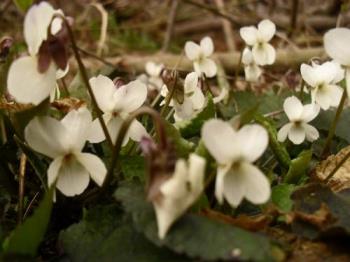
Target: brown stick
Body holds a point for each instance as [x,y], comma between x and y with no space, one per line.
[226,27]
[170,25]
[22,171]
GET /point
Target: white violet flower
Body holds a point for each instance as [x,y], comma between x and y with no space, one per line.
[322,79]
[179,192]
[258,38]
[199,55]
[63,141]
[251,70]
[117,104]
[25,83]
[153,70]
[299,116]
[235,151]
[336,43]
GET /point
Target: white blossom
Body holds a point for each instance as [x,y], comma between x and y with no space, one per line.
[199,55]
[63,141]
[25,83]
[179,192]
[251,70]
[117,104]
[235,151]
[258,38]
[153,77]
[299,116]
[322,79]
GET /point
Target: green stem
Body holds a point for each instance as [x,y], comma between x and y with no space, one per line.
[86,80]
[334,125]
[331,174]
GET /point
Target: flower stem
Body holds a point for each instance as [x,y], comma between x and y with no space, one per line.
[334,125]
[86,80]
[331,174]
[169,97]
[22,171]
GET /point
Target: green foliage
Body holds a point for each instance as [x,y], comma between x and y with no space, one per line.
[193,127]
[106,235]
[23,5]
[298,167]
[182,146]
[281,196]
[26,238]
[133,167]
[194,235]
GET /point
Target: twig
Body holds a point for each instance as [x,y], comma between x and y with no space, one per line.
[226,27]
[30,205]
[104,61]
[331,174]
[22,171]
[170,25]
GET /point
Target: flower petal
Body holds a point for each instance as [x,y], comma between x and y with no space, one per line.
[310,111]
[257,186]
[73,178]
[247,56]
[308,74]
[264,54]
[130,97]
[137,131]
[26,84]
[196,172]
[249,34]
[191,82]
[323,98]
[267,30]
[153,69]
[47,136]
[219,182]
[208,67]
[283,132]
[296,134]
[94,166]
[197,99]
[311,132]
[207,46]
[221,140]
[192,50]
[95,133]
[52,171]
[293,108]
[252,73]
[336,43]
[255,139]
[234,187]
[184,111]
[103,89]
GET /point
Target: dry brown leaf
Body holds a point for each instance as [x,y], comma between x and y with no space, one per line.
[67,104]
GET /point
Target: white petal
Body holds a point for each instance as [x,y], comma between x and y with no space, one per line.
[310,111]
[103,89]
[325,73]
[311,133]
[219,182]
[73,178]
[207,46]
[336,44]
[192,50]
[293,108]
[234,187]
[323,98]
[221,140]
[340,73]
[247,56]
[198,99]
[257,186]
[95,133]
[56,24]
[264,54]
[335,92]
[62,73]
[308,74]
[208,67]
[47,136]
[26,84]
[196,172]
[137,131]
[296,134]
[52,171]
[249,34]
[94,166]
[267,30]
[153,69]
[174,187]
[252,73]
[184,111]
[36,23]
[255,140]
[283,132]
[347,80]
[130,97]
[113,126]
[191,82]
[77,123]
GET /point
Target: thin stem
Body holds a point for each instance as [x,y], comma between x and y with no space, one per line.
[331,174]
[96,57]
[334,125]
[238,67]
[86,80]
[169,97]
[22,171]
[65,88]
[30,205]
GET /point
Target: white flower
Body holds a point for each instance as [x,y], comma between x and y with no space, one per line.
[179,192]
[117,104]
[258,38]
[153,70]
[25,83]
[235,151]
[336,43]
[322,79]
[63,141]
[251,70]
[199,54]
[299,116]
[194,99]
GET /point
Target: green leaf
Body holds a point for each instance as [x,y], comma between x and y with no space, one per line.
[23,5]
[193,127]
[182,146]
[26,238]
[133,167]
[105,235]
[196,236]
[298,167]
[281,196]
